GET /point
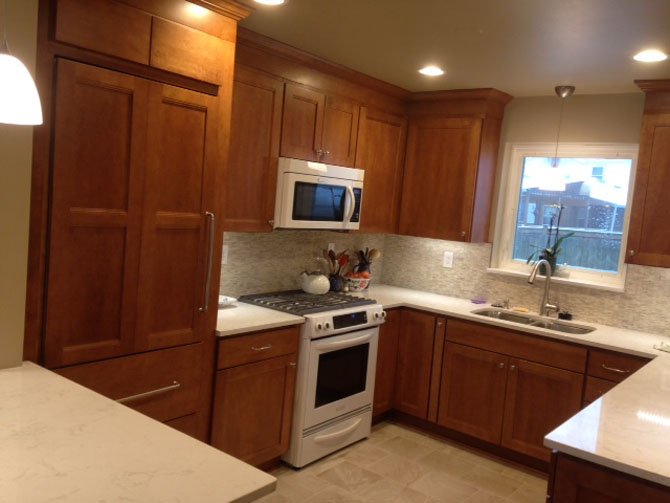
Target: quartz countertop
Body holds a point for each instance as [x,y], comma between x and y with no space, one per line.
[62,442]
[238,318]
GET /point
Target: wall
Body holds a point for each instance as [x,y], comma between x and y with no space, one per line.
[269,262]
[15,169]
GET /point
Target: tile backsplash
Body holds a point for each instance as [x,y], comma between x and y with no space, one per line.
[273,261]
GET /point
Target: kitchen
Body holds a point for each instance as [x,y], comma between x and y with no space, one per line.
[271,261]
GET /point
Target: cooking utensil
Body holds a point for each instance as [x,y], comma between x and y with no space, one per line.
[374,254]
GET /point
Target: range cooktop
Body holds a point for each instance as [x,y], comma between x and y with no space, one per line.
[301,303]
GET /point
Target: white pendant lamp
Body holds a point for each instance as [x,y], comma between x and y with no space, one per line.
[19,101]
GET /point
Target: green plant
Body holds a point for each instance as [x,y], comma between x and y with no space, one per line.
[551,251]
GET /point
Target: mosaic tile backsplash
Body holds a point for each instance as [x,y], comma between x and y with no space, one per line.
[273,261]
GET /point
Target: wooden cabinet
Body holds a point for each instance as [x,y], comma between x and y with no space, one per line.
[419,334]
[452,149]
[607,368]
[251,171]
[381,153]
[472,391]
[253,396]
[318,127]
[649,229]
[387,355]
[132,186]
[149,39]
[506,387]
[577,481]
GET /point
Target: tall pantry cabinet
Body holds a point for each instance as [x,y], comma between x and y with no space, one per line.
[125,241]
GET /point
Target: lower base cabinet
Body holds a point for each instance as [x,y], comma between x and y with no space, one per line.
[253,395]
[387,355]
[576,481]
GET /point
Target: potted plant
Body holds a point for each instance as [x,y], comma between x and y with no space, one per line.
[554,241]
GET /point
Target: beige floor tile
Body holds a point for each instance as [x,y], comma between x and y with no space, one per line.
[350,476]
[366,454]
[274,497]
[527,495]
[334,495]
[387,491]
[298,486]
[398,469]
[405,447]
[443,487]
[484,497]
[448,462]
[491,481]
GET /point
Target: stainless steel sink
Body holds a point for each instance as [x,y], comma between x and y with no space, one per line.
[534,321]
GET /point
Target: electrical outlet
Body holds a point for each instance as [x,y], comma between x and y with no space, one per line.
[224,257]
[331,246]
[448,259]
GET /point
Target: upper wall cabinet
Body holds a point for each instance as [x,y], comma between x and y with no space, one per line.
[317,127]
[649,234]
[148,39]
[251,171]
[381,153]
[452,151]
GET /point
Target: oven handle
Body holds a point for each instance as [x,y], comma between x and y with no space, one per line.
[352,205]
[343,344]
[323,439]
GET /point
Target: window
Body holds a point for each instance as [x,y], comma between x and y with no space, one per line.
[586,190]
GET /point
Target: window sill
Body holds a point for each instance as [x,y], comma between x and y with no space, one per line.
[581,282]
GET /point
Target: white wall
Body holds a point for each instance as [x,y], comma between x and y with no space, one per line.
[15,169]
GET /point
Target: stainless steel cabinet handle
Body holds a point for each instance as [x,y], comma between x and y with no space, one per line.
[292,364]
[501,365]
[631,253]
[148,394]
[616,370]
[262,348]
[512,368]
[210,254]
[463,234]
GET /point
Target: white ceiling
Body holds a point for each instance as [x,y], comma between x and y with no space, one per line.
[522,47]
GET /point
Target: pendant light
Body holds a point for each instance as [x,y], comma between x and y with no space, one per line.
[19,100]
[563,92]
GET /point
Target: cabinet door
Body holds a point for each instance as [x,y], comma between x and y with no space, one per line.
[472,392]
[381,153]
[387,354]
[649,234]
[340,131]
[99,147]
[177,219]
[302,123]
[415,354]
[539,398]
[253,407]
[251,171]
[439,179]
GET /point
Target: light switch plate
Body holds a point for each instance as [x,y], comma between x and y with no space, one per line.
[224,257]
[448,259]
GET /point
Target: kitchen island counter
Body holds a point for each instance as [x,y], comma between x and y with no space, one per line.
[62,442]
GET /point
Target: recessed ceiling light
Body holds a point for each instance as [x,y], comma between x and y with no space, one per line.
[650,56]
[432,71]
[270,2]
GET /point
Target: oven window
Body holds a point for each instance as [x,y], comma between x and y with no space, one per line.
[342,373]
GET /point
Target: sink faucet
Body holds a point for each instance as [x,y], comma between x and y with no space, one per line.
[545,306]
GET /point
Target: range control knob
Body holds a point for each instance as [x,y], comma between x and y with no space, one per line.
[377,316]
[319,326]
[327,325]
[383,314]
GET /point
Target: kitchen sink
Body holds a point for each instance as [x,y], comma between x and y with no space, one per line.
[534,321]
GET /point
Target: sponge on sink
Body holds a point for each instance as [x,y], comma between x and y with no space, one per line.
[521,309]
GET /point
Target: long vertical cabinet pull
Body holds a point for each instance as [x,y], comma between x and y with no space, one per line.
[211,219]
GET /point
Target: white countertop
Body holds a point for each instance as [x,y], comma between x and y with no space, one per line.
[62,442]
[238,318]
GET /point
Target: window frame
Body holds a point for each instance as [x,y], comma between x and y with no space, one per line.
[508,203]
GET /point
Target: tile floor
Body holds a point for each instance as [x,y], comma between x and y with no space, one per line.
[400,465]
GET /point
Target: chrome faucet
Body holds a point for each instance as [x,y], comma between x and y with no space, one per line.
[545,306]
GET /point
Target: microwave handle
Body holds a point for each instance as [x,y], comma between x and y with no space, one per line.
[352,205]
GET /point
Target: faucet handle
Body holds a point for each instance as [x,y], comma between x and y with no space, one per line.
[551,308]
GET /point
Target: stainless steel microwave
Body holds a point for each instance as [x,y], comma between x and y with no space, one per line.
[312,195]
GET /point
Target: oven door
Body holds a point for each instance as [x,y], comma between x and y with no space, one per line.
[318,202]
[341,375]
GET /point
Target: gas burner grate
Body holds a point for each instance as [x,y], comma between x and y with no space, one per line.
[300,303]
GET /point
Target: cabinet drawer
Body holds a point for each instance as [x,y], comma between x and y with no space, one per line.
[183,50]
[554,354]
[106,27]
[256,347]
[613,366]
[595,388]
[138,375]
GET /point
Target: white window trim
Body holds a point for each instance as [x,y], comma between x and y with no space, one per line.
[508,200]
